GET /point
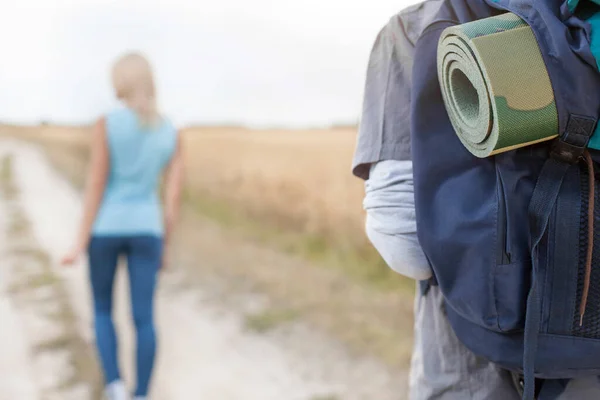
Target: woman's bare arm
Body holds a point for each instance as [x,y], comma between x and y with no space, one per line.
[173,187]
[95,185]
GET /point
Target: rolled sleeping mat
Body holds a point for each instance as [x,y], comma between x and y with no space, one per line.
[495,85]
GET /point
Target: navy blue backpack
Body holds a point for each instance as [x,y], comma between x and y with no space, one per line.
[508,236]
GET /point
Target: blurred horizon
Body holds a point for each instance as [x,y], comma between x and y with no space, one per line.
[198,126]
[260,64]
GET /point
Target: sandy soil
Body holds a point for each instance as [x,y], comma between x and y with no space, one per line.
[205,348]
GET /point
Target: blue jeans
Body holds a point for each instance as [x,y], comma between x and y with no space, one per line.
[144,254]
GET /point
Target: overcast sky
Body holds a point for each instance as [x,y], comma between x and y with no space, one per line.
[256,62]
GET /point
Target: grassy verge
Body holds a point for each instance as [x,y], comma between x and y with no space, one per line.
[360,262]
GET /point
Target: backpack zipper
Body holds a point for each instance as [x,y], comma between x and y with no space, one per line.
[590,241]
[503,256]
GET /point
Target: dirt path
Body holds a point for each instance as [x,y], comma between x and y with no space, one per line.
[206,350]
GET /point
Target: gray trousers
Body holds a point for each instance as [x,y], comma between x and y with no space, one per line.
[442,368]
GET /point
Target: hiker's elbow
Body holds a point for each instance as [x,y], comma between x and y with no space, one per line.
[400,252]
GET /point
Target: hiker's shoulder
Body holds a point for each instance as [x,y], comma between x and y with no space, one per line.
[410,22]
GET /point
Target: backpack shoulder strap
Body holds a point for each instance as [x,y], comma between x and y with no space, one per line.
[566,151]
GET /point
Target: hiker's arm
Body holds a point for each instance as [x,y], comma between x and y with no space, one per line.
[173,188]
[391,223]
[95,185]
[383,156]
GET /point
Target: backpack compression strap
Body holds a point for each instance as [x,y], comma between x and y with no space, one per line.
[567,150]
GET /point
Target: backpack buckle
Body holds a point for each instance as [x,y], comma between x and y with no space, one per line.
[566,152]
[570,146]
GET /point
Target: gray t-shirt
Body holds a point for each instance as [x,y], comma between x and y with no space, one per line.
[384,132]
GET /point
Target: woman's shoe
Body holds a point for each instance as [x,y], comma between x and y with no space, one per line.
[116,391]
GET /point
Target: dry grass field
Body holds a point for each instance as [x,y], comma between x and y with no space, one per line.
[299,179]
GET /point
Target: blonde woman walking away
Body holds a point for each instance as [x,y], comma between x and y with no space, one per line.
[131,148]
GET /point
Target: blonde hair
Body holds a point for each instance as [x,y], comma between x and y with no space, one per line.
[133,83]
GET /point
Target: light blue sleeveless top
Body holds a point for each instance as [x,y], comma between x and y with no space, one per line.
[138,156]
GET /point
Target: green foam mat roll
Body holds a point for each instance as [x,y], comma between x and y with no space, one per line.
[495,85]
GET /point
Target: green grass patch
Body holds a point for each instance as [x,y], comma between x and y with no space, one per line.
[6,172]
[6,169]
[33,253]
[35,282]
[270,319]
[57,344]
